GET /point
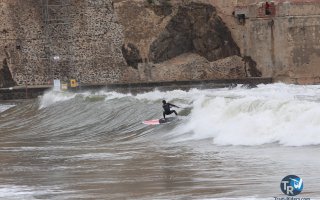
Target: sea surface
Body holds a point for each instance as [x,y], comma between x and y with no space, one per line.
[225,144]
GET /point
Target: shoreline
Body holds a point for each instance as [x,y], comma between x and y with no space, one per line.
[30,92]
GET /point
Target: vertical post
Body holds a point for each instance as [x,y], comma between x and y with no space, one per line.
[26,85]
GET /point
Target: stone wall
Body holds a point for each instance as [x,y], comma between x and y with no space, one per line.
[284,45]
[20,38]
[98,38]
[109,41]
[88,48]
[288,44]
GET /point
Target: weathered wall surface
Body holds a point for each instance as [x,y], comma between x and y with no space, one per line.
[88,48]
[105,41]
[20,35]
[192,66]
[286,44]
[161,31]
[136,41]
[97,40]
[291,42]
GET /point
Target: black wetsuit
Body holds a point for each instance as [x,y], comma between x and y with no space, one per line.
[166,107]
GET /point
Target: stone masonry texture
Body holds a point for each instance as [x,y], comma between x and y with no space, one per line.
[107,41]
[87,48]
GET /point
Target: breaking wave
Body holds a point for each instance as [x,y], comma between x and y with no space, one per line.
[285,114]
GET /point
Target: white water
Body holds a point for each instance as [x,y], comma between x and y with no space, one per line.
[278,113]
[4,107]
[285,114]
[52,97]
[255,121]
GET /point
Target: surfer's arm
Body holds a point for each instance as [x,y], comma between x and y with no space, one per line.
[173,105]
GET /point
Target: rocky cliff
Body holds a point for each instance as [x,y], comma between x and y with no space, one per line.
[196,28]
[109,41]
[178,44]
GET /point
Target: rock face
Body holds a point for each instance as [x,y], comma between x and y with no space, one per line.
[136,40]
[177,45]
[251,67]
[160,7]
[6,79]
[192,66]
[195,28]
[131,55]
[109,41]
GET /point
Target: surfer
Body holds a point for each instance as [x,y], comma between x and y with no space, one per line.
[166,107]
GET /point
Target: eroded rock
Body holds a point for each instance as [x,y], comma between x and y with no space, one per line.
[131,54]
[195,28]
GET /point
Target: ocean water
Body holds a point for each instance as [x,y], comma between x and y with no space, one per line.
[225,144]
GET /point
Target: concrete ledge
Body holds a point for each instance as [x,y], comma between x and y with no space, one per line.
[21,92]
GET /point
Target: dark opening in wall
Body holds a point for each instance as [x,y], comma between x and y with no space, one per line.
[241,18]
[241,13]
[6,79]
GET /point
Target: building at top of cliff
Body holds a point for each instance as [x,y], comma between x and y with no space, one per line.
[284,41]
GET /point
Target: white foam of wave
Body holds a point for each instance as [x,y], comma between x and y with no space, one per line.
[112,95]
[11,192]
[276,113]
[270,114]
[167,95]
[154,95]
[52,97]
[263,91]
[271,91]
[105,93]
[4,107]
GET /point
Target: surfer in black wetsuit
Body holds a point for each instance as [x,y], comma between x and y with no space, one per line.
[166,107]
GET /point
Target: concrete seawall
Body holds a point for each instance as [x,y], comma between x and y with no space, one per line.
[29,92]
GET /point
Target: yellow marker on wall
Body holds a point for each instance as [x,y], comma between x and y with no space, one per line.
[73,83]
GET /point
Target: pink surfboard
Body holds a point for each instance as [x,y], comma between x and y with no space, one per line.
[152,122]
[158,121]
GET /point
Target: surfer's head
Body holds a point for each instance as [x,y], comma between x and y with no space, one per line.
[164,101]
